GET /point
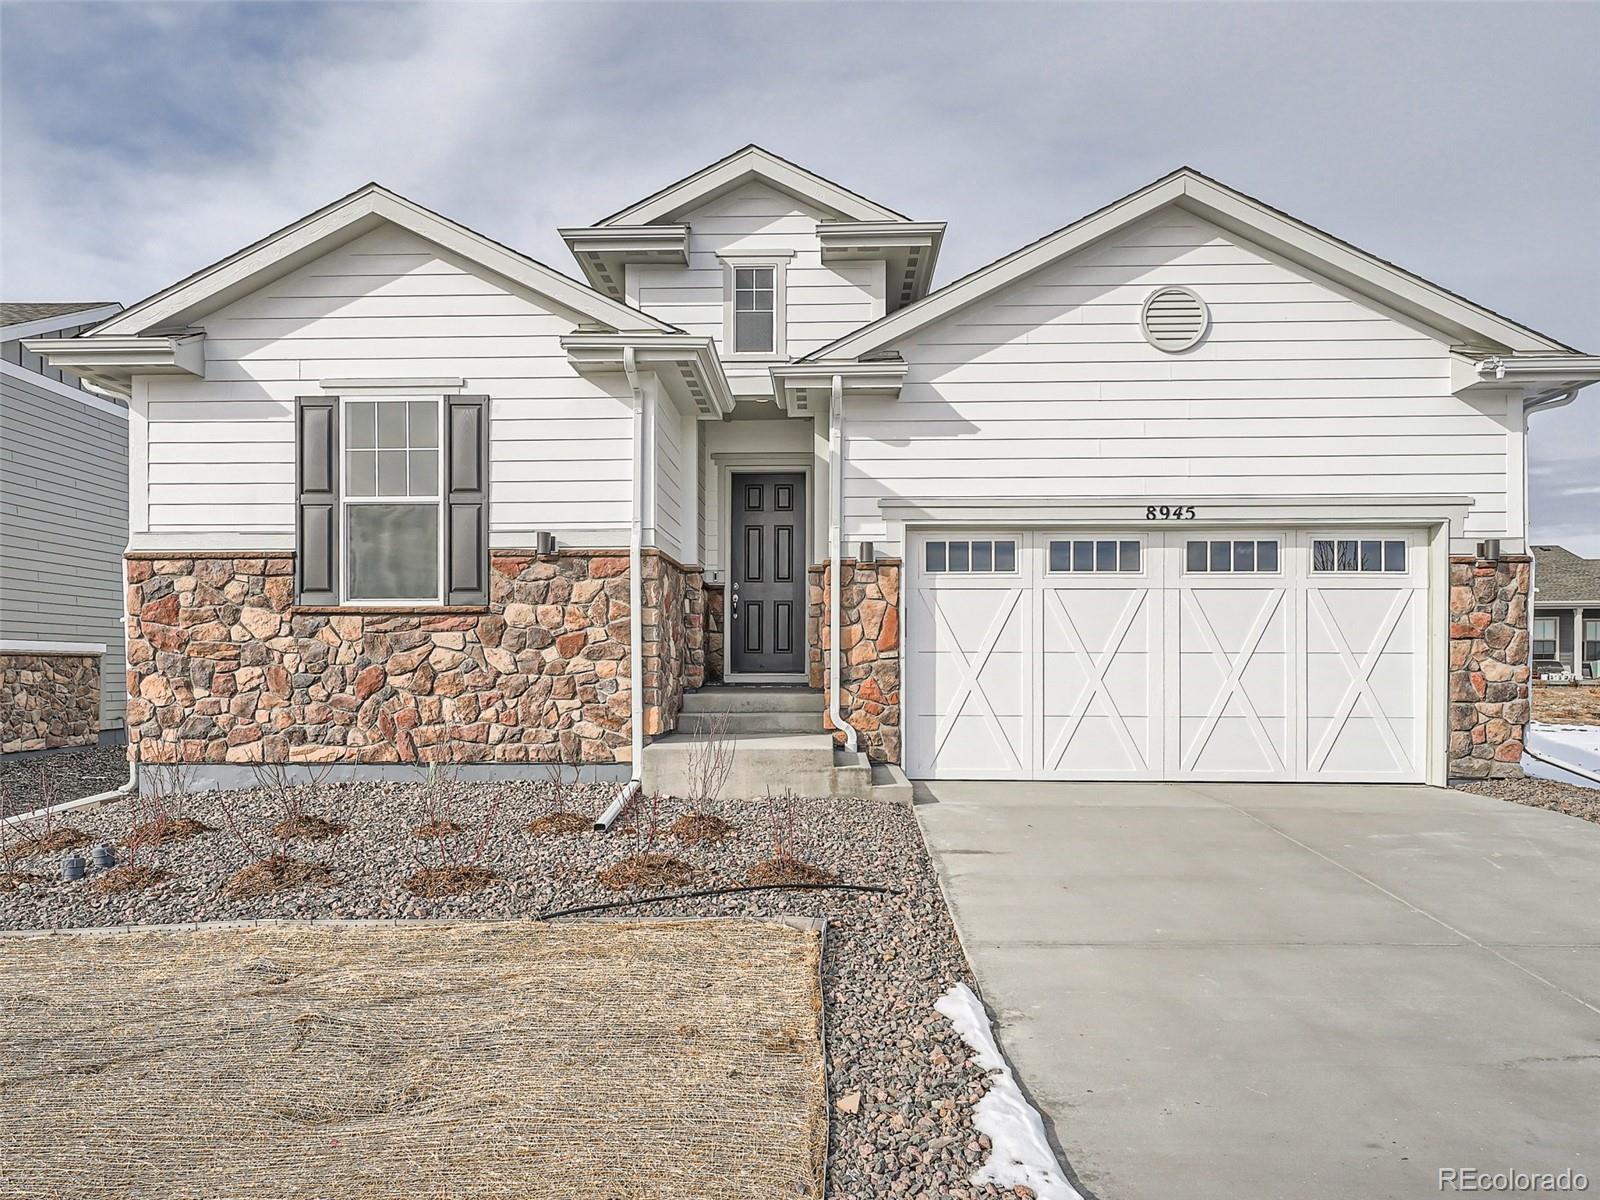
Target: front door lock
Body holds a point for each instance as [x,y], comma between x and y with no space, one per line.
[736,598]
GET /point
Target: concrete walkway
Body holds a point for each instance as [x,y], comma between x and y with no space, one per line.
[1267,992]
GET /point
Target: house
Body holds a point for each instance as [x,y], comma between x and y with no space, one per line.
[63,527]
[1566,610]
[1187,489]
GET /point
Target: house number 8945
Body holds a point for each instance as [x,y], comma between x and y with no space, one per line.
[1169,512]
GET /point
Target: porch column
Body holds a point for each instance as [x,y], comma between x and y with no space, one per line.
[1577,642]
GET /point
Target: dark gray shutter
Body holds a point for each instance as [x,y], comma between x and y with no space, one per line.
[317,499]
[466,500]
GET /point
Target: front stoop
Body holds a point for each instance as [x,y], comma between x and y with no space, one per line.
[780,746]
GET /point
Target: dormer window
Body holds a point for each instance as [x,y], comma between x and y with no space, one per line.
[754,303]
[755,310]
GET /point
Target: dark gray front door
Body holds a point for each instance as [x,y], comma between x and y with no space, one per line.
[767,586]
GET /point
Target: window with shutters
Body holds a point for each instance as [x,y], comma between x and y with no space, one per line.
[392,503]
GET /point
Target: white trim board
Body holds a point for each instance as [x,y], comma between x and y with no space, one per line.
[9,646]
[71,320]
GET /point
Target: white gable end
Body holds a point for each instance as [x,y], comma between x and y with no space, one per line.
[822,302]
[387,305]
[1048,389]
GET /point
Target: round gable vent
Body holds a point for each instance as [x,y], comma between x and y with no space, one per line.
[1174,319]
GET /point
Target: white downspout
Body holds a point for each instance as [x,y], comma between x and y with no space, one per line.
[835,551]
[635,601]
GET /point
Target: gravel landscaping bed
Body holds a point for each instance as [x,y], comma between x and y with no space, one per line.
[901,1081]
[33,782]
[1540,793]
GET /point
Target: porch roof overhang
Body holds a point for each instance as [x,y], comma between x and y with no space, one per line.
[909,250]
[111,361]
[604,251]
[803,388]
[1540,377]
[688,366]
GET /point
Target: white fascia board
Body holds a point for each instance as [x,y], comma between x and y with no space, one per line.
[692,360]
[853,235]
[1341,262]
[750,162]
[1537,376]
[65,390]
[83,316]
[800,386]
[343,220]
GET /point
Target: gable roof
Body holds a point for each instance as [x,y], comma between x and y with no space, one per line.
[750,162]
[1304,244]
[24,313]
[1561,578]
[345,219]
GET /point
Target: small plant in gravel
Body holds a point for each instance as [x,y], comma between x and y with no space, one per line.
[560,819]
[710,761]
[12,876]
[296,822]
[646,869]
[155,823]
[700,828]
[269,868]
[785,864]
[46,837]
[446,864]
[150,822]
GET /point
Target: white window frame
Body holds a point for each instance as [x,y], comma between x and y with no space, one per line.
[1554,639]
[993,572]
[1381,537]
[1233,539]
[347,501]
[778,263]
[1050,539]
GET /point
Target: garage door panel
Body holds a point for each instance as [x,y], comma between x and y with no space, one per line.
[1237,663]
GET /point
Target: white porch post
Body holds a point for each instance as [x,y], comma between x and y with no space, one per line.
[1577,641]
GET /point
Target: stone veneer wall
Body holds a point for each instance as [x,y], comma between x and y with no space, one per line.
[223,667]
[48,701]
[1489,669]
[674,638]
[713,620]
[869,644]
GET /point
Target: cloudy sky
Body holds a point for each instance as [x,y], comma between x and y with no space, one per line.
[142,141]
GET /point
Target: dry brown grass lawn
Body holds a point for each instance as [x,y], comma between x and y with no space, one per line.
[1572,705]
[612,1059]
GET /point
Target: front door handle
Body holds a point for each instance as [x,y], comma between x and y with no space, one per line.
[736,599]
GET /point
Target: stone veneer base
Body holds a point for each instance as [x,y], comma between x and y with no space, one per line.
[869,649]
[1490,673]
[48,701]
[224,669]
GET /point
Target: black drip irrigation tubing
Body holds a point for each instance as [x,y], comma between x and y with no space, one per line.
[721,891]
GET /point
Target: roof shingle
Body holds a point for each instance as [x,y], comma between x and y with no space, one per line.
[23,312]
[1561,578]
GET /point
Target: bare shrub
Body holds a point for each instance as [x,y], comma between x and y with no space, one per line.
[559,819]
[41,834]
[784,833]
[645,871]
[296,820]
[269,867]
[449,860]
[710,758]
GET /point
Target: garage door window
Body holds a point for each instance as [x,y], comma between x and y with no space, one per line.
[1083,556]
[1358,556]
[968,557]
[1232,556]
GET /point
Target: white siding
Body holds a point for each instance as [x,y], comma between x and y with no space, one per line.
[673,477]
[1049,389]
[386,305]
[64,516]
[824,302]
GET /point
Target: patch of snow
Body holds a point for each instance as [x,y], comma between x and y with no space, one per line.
[1020,1153]
[1563,746]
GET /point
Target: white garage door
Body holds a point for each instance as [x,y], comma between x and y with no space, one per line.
[1237,654]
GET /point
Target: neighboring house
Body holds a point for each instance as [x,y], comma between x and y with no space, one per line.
[1566,610]
[63,529]
[1187,489]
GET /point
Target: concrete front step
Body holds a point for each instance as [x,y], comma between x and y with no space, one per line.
[738,724]
[803,763]
[752,700]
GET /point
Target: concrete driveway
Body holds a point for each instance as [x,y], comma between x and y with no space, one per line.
[1264,992]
